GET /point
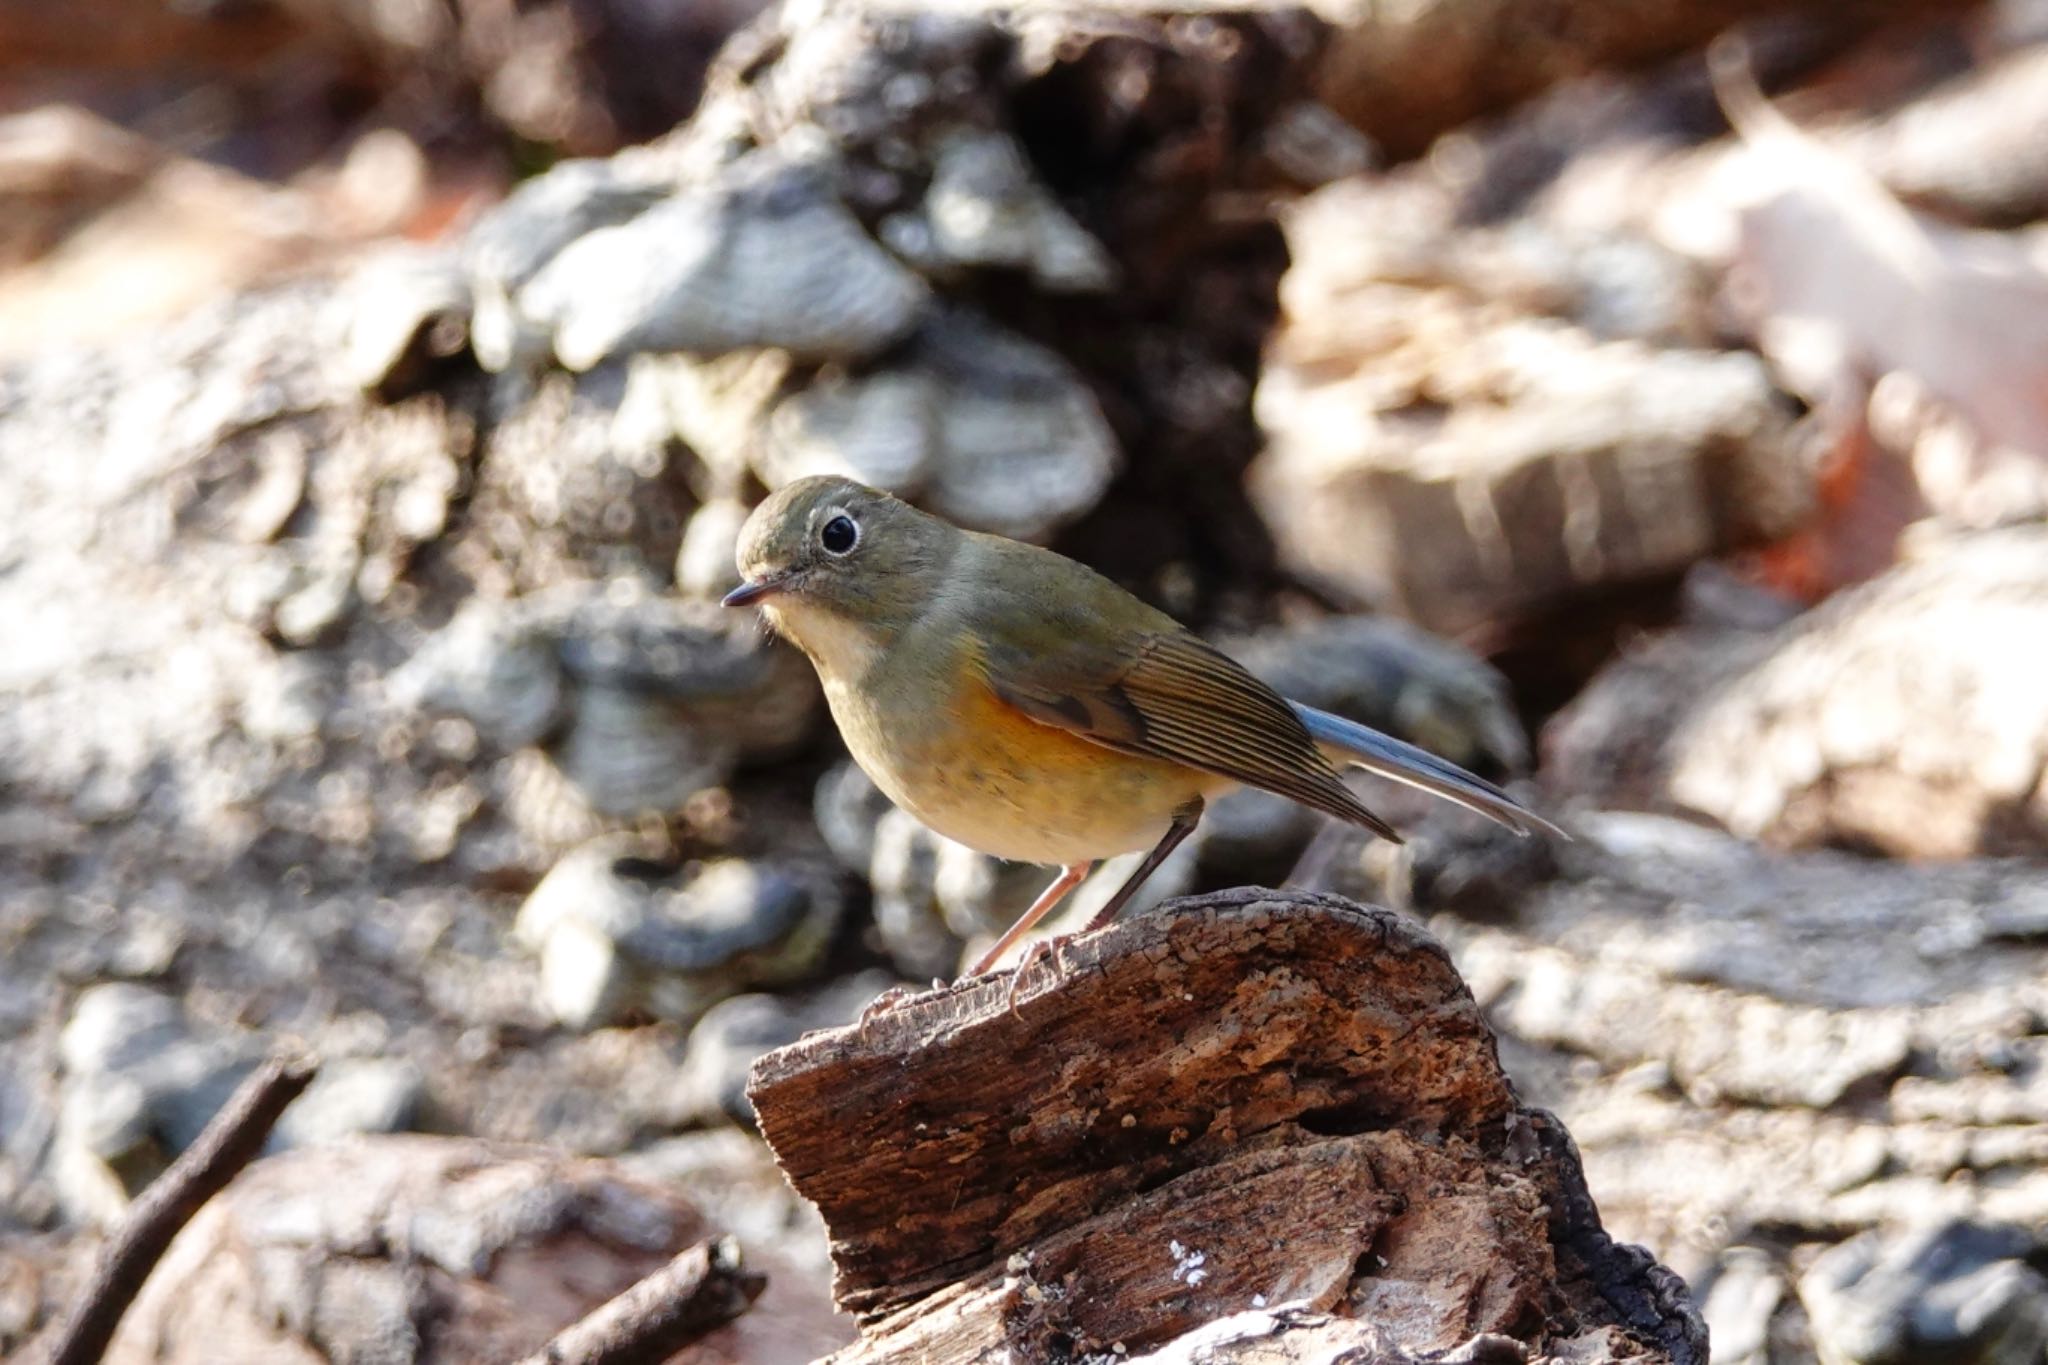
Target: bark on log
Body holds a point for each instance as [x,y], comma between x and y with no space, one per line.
[1237,1103]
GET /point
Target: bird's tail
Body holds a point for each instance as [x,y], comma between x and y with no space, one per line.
[1346,741]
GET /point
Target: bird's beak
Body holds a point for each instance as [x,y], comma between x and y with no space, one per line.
[746,594]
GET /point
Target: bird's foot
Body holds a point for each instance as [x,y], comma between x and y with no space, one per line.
[1055,948]
[893,998]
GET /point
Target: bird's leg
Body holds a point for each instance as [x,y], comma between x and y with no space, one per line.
[1184,821]
[1069,878]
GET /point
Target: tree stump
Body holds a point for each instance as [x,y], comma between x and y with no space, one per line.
[1281,1109]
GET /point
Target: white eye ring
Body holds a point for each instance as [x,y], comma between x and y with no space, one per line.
[840,534]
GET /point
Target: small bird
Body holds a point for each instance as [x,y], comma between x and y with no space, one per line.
[1024,705]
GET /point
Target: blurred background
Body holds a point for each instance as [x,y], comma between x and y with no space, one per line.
[1645,404]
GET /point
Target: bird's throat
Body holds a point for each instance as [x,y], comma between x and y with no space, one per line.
[841,649]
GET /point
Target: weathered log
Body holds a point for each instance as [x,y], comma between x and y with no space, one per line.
[1237,1102]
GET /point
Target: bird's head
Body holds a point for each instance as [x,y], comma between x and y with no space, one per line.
[826,556]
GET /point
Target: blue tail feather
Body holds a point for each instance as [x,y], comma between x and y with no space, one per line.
[1401,761]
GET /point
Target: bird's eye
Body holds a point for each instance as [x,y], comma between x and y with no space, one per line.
[839,535]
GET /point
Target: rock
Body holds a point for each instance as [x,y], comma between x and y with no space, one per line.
[409,309]
[444,1249]
[847,807]
[627,753]
[932,895]
[352,1095]
[715,405]
[1746,1291]
[726,682]
[882,429]
[985,428]
[985,207]
[933,898]
[732,1177]
[733,1033]
[22,1294]
[1167,1173]
[1463,425]
[140,1084]
[639,700]
[707,564]
[1753,1046]
[767,258]
[1021,445]
[1817,733]
[1249,836]
[618,932]
[1949,1291]
[1312,146]
[911,919]
[567,491]
[496,668]
[138,1087]
[510,244]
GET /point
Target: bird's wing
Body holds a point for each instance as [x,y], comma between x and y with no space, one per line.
[1169,695]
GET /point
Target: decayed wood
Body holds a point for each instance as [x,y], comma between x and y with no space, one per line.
[1240,1101]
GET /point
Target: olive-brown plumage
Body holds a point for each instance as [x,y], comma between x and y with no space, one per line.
[1024,705]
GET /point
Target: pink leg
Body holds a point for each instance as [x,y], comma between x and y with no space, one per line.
[1069,878]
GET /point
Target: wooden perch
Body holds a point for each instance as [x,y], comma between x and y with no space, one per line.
[1241,1101]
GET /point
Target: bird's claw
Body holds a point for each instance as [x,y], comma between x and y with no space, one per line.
[893,998]
[1054,947]
[881,1005]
